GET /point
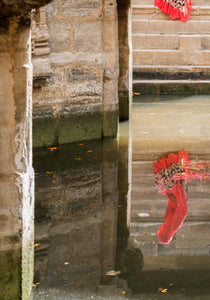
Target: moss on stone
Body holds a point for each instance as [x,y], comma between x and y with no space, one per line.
[10,274]
[110,123]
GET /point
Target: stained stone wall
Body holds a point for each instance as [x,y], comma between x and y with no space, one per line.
[78,97]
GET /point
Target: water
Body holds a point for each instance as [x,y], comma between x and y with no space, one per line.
[87,224]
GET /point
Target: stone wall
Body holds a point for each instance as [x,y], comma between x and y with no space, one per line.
[76,96]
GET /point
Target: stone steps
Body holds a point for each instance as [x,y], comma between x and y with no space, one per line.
[161,87]
[170,27]
[171,57]
[171,41]
[171,72]
[151,2]
[159,42]
[150,12]
[185,244]
[154,211]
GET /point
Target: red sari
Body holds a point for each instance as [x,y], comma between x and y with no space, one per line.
[175,9]
[176,211]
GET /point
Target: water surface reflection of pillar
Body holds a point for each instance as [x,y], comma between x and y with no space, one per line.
[76,217]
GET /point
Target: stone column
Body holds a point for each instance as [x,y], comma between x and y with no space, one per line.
[111,71]
[16,172]
[124,63]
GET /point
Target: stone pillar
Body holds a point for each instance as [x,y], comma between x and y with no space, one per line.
[111,71]
[40,48]
[124,63]
[16,172]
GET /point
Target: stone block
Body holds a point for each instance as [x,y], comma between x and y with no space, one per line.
[193,235]
[140,27]
[155,42]
[87,37]
[189,42]
[155,57]
[59,31]
[171,27]
[81,8]
[52,9]
[205,42]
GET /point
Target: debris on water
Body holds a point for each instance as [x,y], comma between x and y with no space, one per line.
[171,284]
[55,148]
[113,273]
[89,151]
[36,245]
[123,292]
[66,263]
[48,172]
[162,290]
[142,215]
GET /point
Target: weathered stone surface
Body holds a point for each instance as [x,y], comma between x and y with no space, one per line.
[16,173]
[59,31]
[81,74]
[193,235]
[74,8]
[87,37]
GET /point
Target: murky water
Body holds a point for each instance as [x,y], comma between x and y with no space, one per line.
[83,209]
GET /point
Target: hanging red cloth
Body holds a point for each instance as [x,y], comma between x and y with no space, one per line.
[176,9]
[176,210]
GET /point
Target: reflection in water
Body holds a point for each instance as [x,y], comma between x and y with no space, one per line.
[171,175]
[76,220]
[174,190]
[81,220]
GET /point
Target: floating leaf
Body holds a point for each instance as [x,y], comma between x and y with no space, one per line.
[123,292]
[89,151]
[37,283]
[81,144]
[55,148]
[36,245]
[161,290]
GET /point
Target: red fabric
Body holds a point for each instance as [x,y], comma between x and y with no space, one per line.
[176,212]
[165,162]
[167,9]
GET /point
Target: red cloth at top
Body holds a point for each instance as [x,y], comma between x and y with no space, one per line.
[174,13]
[176,210]
[165,162]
